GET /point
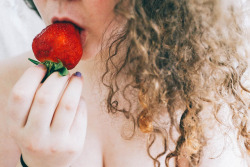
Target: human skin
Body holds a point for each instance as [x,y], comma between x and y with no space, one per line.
[94,16]
[51,119]
[103,145]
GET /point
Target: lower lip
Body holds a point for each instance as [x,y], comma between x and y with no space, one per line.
[83,37]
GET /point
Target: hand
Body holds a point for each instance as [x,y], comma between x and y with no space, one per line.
[48,121]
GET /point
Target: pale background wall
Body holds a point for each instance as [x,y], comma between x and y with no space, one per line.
[18,27]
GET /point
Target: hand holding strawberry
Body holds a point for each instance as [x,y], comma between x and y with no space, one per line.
[48,121]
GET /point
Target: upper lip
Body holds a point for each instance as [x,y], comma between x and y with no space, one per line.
[66,19]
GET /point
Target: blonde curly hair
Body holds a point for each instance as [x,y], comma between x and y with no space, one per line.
[180,55]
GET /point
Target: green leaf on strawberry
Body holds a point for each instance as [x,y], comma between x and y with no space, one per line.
[52,67]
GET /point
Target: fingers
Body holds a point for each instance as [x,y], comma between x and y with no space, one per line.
[79,125]
[66,110]
[51,105]
[23,92]
[45,102]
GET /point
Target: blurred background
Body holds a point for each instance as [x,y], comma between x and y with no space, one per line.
[18,26]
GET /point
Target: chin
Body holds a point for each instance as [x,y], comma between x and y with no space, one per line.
[94,51]
[89,54]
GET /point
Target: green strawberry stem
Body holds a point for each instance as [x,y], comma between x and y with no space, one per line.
[52,67]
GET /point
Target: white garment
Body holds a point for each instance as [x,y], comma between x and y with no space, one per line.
[18,26]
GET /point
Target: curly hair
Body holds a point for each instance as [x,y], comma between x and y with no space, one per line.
[180,56]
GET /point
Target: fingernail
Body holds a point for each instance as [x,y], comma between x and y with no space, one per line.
[41,66]
[78,74]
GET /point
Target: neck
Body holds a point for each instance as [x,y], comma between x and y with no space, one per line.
[93,68]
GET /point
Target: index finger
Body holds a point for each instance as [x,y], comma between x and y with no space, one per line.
[23,92]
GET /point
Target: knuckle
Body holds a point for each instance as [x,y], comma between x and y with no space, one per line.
[33,145]
[43,97]
[73,150]
[19,95]
[69,106]
[55,149]
[63,147]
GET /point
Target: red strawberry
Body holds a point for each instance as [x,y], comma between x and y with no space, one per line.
[58,47]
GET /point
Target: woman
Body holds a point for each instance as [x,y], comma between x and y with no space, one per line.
[171,71]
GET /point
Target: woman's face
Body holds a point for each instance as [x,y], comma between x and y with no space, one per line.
[93,16]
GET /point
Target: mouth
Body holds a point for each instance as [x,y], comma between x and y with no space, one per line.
[80,28]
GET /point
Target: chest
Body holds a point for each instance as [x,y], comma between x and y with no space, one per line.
[105,145]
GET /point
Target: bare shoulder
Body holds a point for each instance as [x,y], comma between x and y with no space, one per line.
[10,71]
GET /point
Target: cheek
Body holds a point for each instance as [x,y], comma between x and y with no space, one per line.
[102,7]
[100,14]
[40,4]
[47,9]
